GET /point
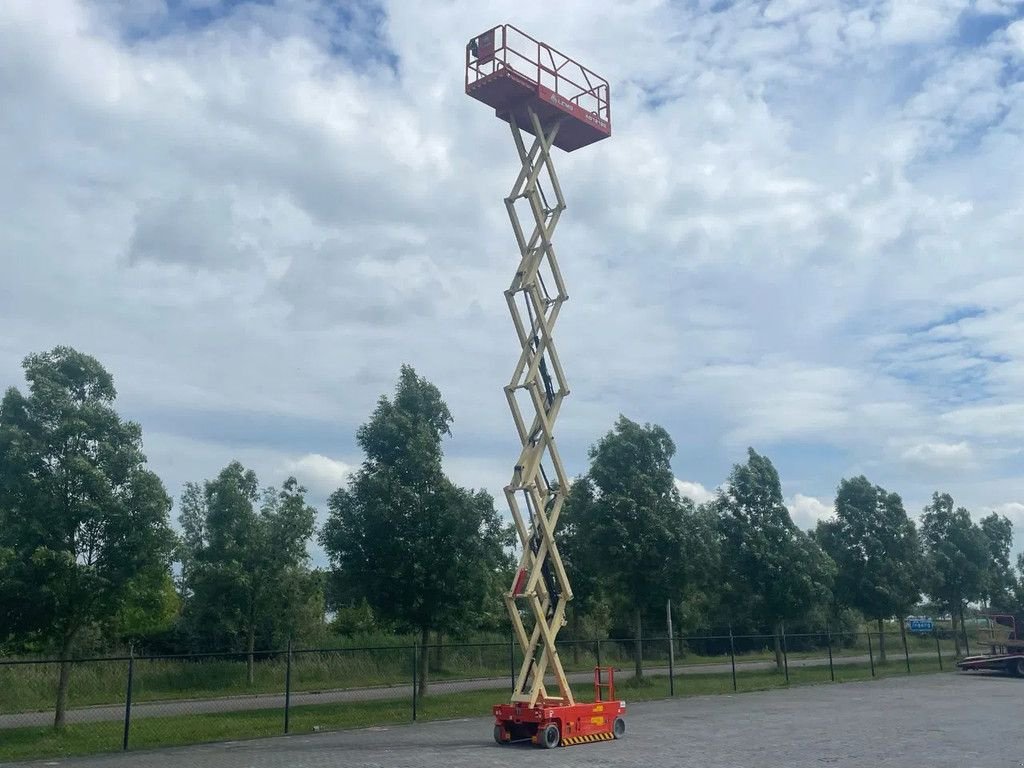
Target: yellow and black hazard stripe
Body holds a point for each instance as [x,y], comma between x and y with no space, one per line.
[587,739]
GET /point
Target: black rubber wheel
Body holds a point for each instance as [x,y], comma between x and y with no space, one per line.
[497,735]
[1017,668]
[550,737]
[619,728]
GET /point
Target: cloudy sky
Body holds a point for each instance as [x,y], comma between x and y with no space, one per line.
[805,234]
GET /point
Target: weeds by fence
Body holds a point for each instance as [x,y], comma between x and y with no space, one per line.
[141,701]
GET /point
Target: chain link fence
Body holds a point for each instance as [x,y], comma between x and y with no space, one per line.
[134,702]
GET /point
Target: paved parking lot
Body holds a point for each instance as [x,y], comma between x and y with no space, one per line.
[938,721]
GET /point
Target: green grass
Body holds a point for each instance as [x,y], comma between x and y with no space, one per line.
[90,738]
[32,687]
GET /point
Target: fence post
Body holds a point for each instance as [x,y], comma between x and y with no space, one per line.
[785,654]
[732,655]
[871,654]
[831,669]
[599,652]
[512,657]
[906,650]
[288,686]
[414,680]
[128,697]
[938,648]
[671,651]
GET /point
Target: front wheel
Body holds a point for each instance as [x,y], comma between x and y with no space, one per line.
[550,737]
[1016,668]
[619,728]
[498,734]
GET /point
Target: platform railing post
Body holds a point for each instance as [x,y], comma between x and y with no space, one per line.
[938,647]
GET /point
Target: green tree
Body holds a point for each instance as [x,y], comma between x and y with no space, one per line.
[956,557]
[245,565]
[627,527]
[772,571]
[421,551]
[83,522]
[876,550]
[1000,579]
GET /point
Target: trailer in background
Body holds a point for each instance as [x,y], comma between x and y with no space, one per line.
[1006,649]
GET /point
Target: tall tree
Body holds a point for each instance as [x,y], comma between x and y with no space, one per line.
[877,552]
[630,525]
[420,550]
[1000,579]
[83,523]
[956,557]
[773,571]
[245,565]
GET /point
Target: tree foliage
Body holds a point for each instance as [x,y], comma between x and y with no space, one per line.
[84,526]
[772,571]
[956,555]
[627,532]
[1000,578]
[422,552]
[876,549]
[245,564]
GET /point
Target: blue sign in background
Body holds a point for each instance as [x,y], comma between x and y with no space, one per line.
[921,625]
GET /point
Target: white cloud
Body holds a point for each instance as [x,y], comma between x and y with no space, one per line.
[1015,33]
[806,511]
[322,475]
[694,491]
[939,455]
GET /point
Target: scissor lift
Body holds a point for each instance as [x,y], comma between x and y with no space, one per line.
[541,92]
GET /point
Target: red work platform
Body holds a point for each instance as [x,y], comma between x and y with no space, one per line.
[552,725]
[510,71]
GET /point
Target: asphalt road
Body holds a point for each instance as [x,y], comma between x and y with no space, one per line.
[276,701]
[939,721]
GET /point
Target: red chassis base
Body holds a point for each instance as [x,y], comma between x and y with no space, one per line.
[551,725]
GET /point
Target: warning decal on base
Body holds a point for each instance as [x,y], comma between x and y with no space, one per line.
[588,739]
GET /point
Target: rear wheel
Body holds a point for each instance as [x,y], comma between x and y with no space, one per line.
[498,734]
[619,728]
[1017,667]
[550,737]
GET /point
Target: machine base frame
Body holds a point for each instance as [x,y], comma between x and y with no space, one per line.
[580,723]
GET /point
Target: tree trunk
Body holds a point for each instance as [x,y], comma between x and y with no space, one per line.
[63,683]
[638,645]
[779,663]
[424,666]
[250,661]
[881,641]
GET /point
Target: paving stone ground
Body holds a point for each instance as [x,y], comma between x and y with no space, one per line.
[937,721]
